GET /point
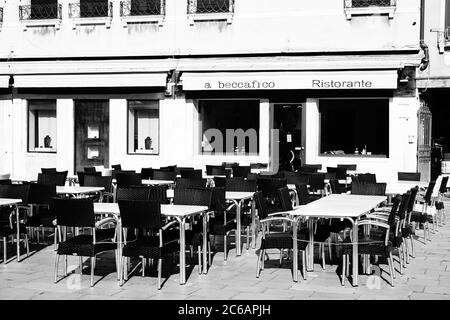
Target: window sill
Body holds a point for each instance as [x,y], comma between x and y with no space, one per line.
[158,19]
[193,17]
[78,22]
[349,12]
[56,23]
[42,150]
[377,156]
[144,153]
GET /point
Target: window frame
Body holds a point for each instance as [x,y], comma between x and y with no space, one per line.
[372,156]
[211,16]
[128,129]
[350,11]
[36,150]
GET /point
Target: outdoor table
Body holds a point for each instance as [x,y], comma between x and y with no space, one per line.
[13,202]
[22,179]
[76,191]
[238,198]
[337,206]
[179,212]
[149,182]
[400,187]
[72,179]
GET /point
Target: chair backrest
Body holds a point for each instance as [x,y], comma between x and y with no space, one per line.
[190,183]
[443,186]
[115,172]
[98,181]
[367,188]
[82,177]
[308,170]
[140,214]
[296,177]
[412,199]
[15,191]
[269,186]
[348,167]
[316,181]
[136,193]
[159,174]
[169,168]
[302,194]
[230,164]
[253,176]
[285,198]
[261,205]
[241,171]
[41,193]
[147,173]
[218,202]
[90,169]
[126,180]
[220,182]
[191,174]
[48,170]
[335,186]
[429,192]
[210,167]
[366,177]
[72,212]
[5,176]
[404,205]
[220,171]
[192,196]
[58,179]
[393,213]
[5,181]
[159,193]
[408,176]
[117,167]
[240,184]
[179,169]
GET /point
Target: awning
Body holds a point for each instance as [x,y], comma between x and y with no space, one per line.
[4,81]
[90,80]
[320,80]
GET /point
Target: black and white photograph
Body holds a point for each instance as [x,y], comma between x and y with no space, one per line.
[240,151]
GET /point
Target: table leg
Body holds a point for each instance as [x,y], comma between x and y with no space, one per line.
[205,243]
[295,251]
[355,254]
[253,224]
[238,228]
[311,245]
[18,234]
[182,251]
[119,246]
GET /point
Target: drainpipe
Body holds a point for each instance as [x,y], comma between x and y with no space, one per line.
[425,60]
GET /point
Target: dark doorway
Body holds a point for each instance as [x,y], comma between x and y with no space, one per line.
[288,120]
[91,133]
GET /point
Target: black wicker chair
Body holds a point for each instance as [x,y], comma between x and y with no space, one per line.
[48,170]
[58,178]
[241,171]
[408,176]
[126,180]
[191,174]
[82,175]
[79,214]
[164,175]
[148,244]
[134,193]
[240,184]
[190,183]
[368,188]
[147,173]
[421,217]
[103,182]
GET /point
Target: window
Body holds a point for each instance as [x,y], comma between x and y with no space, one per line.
[43,9]
[354,127]
[143,126]
[239,117]
[143,7]
[42,125]
[368,7]
[90,9]
[370,3]
[211,6]
[206,10]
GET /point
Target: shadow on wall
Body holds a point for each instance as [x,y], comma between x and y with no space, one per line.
[142,27]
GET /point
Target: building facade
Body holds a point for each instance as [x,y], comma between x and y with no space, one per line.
[159,82]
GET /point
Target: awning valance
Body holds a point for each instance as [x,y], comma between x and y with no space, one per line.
[320,80]
[4,81]
[90,80]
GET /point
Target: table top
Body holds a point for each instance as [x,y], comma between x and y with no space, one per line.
[339,206]
[229,195]
[172,210]
[399,187]
[77,190]
[8,201]
[157,182]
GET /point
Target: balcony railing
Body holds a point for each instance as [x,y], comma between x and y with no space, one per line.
[210,6]
[142,8]
[40,12]
[369,3]
[368,7]
[91,9]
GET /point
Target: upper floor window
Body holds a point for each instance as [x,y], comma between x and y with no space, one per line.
[40,10]
[210,10]
[42,125]
[367,7]
[142,7]
[90,9]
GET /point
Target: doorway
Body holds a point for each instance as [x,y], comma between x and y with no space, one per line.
[288,120]
[91,133]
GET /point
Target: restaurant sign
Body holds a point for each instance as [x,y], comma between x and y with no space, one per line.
[385,79]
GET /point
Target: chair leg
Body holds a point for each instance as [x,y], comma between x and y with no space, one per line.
[65,266]
[304,264]
[127,265]
[81,264]
[248,237]
[92,270]
[199,253]
[400,259]
[413,254]
[55,240]
[143,267]
[56,268]
[225,247]
[329,250]
[209,252]
[281,257]
[391,268]
[323,255]
[159,272]
[4,250]
[262,262]
[258,263]
[343,269]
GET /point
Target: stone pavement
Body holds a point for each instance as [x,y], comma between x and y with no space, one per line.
[427,277]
